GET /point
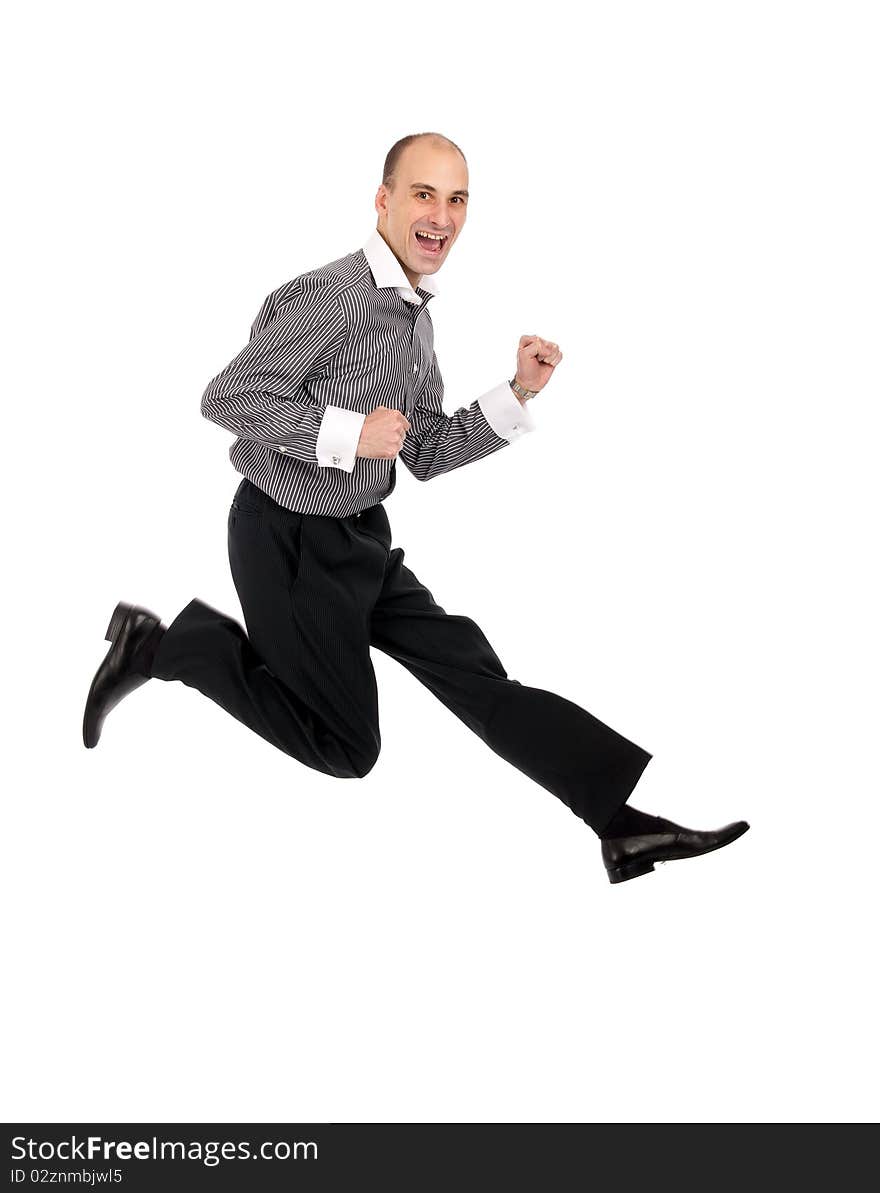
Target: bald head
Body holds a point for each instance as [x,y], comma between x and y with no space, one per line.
[397,150]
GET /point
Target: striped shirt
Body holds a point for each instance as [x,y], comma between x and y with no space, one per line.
[325,350]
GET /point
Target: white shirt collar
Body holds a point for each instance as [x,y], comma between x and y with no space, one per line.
[387,270]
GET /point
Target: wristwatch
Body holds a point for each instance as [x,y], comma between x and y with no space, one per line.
[523,393]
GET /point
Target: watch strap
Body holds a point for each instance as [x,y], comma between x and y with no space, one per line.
[518,389]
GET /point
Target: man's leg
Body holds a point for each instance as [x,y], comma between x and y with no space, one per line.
[565,749]
[301,676]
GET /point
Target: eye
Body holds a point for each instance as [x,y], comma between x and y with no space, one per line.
[460,198]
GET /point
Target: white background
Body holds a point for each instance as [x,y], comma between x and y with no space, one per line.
[685,197]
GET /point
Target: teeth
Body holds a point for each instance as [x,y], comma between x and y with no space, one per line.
[430,234]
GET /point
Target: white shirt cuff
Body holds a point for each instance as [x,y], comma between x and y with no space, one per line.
[338,438]
[504,412]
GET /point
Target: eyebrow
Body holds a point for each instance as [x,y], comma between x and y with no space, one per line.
[426,186]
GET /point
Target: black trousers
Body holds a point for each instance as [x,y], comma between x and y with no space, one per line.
[317,593]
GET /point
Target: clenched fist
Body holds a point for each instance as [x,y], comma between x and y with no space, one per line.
[382,434]
[535,361]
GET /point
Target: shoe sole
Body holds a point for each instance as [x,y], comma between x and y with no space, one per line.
[637,869]
[117,620]
[630,870]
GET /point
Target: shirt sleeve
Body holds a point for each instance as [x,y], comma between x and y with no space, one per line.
[338,437]
[505,414]
[263,393]
[438,442]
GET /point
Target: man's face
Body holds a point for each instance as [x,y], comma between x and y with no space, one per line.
[429,195]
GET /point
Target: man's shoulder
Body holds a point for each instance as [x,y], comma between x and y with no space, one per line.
[324,283]
[323,288]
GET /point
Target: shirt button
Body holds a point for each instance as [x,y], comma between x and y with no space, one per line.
[336,459]
[515,427]
[415,368]
[283,449]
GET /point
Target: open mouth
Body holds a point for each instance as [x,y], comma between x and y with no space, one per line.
[430,243]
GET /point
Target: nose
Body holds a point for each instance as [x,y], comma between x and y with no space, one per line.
[440,219]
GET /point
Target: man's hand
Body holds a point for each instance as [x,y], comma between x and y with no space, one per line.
[535,361]
[382,434]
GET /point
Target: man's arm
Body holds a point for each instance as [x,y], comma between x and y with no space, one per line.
[439,442]
[261,395]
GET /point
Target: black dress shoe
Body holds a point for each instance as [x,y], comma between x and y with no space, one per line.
[125,667]
[629,857]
